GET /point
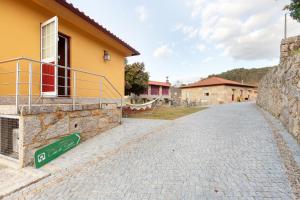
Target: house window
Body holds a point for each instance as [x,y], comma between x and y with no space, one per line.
[48,37]
[165,90]
[206,94]
[154,90]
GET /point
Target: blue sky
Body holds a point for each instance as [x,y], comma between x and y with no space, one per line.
[190,39]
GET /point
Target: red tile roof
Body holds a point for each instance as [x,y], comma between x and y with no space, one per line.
[212,81]
[159,83]
[95,24]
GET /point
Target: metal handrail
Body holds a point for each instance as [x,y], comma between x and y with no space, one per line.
[64,67]
[18,59]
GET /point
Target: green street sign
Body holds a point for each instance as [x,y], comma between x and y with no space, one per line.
[54,150]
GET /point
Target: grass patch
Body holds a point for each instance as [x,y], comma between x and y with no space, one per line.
[167,113]
[296,52]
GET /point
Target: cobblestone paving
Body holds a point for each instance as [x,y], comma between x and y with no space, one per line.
[224,152]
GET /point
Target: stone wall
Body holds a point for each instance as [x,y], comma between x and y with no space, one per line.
[279,90]
[44,125]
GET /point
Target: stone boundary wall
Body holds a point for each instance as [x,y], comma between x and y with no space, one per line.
[48,124]
[23,100]
[279,90]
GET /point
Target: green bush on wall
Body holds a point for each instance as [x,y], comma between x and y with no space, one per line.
[296,52]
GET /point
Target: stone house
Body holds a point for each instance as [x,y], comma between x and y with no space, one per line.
[60,72]
[217,90]
[176,94]
[156,90]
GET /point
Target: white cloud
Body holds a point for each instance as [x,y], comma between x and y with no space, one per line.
[188,79]
[142,13]
[206,60]
[162,51]
[196,6]
[188,31]
[243,29]
[200,47]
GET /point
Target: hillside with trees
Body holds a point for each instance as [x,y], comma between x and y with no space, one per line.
[249,76]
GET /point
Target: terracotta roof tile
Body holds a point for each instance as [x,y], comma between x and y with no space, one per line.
[97,25]
[215,81]
[159,83]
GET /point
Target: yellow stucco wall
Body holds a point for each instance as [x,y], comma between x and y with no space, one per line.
[217,94]
[20,36]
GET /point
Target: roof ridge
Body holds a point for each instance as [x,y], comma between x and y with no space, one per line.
[215,80]
[81,14]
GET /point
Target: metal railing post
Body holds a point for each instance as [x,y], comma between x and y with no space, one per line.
[100,90]
[17,85]
[74,90]
[30,87]
[121,110]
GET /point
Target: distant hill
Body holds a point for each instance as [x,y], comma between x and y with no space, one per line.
[249,76]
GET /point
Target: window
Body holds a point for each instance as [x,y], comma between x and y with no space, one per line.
[154,90]
[48,37]
[165,90]
[206,94]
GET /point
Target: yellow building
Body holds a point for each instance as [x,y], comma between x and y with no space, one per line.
[60,73]
[217,90]
[54,31]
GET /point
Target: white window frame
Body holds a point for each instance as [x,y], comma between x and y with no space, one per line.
[51,59]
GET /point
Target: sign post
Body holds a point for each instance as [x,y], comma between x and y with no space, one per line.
[54,150]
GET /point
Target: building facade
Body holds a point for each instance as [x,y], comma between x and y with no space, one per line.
[56,32]
[216,90]
[156,90]
[59,72]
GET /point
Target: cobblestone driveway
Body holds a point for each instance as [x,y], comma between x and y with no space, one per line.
[224,152]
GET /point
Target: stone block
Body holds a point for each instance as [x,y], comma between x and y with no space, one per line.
[103,122]
[52,118]
[60,128]
[90,106]
[77,114]
[32,127]
[83,124]
[98,112]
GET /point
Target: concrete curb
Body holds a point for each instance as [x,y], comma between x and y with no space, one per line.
[13,187]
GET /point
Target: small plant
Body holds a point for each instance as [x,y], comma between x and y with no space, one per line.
[239,99]
[296,52]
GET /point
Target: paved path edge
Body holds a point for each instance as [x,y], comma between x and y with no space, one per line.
[292,169]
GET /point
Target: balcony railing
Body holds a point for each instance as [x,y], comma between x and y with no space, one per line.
[20,84]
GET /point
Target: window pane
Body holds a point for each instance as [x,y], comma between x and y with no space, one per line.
[43,54]
[51,40]
[51,27]
[43,32]
[47,29]
[48,41]
[51,51]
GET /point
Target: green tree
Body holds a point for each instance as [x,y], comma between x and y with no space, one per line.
[294,8]
[136,78]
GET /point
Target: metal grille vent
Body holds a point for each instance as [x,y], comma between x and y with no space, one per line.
[9,137]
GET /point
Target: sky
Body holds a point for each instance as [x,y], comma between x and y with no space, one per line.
[190,39]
